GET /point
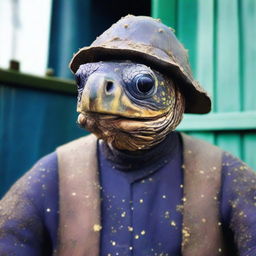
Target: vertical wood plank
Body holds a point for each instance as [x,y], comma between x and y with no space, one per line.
[187,28]
[249,149]
[186,31]
[205,45]
[227,23]
[165,10]
[227,69]
[248,53]
[248,37]
[207,136]
[204,55]
[228,73]
[195,30]
[230,142]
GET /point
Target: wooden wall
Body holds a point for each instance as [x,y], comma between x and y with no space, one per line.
[220,36]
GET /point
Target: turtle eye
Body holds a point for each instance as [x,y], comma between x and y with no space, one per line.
[79,82]
[143,86]
[80,85]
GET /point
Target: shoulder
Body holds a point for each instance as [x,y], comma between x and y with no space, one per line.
[37,184]
[238,187]
[80,143]
[237,176]
[42,182]
[45,168]
[24,218]
[238,179]
[192,144]
[238,201]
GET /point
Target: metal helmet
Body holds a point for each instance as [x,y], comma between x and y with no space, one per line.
[146,40]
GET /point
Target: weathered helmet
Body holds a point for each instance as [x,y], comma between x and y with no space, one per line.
[148,41]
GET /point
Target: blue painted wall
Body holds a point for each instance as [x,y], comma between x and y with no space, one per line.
[32,123]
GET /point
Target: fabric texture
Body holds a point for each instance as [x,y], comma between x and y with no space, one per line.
[38,191]
[197,210]
[79,198]
[202,178]
[139,213]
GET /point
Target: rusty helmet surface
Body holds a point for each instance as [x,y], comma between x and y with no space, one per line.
[146,40]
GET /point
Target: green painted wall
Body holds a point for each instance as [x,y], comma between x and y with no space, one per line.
[220,38]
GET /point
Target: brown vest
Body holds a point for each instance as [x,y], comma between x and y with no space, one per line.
[79,225]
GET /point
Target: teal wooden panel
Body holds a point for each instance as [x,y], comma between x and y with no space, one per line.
[248,56]
[230,142]
[227,59]
[227,69]
[33,123]
[205,48]
[221,42]
[228,121]
[248,52]
[249,146]
[166,10]
[186,28]
[207,136]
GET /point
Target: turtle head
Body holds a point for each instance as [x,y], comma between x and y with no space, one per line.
[134,104]
[127,104]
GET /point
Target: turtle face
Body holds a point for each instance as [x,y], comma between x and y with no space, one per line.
[127,104]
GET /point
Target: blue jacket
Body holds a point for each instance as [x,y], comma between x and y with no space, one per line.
[141,200]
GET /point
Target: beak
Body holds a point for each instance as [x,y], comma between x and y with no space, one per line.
[101,94]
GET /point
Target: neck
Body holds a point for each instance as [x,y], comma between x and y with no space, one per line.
[152,158]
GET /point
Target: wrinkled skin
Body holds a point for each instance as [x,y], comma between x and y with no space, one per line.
[129,105]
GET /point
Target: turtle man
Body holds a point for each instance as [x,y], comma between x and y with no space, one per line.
[134,186]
